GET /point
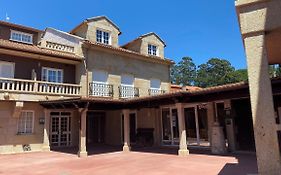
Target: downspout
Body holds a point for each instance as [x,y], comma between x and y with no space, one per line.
[87,74]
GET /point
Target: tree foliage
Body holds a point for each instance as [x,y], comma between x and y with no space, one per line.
[215,72]
[184,73]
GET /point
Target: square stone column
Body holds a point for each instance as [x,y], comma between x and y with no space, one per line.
[46,141]
[267,149]
[126,114]
[218,145]
[82,134]
[183,151]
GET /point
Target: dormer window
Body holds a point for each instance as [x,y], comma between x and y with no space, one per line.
[152,50]
[103,37]
[21,37]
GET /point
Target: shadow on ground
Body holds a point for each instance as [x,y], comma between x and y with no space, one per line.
[247,165]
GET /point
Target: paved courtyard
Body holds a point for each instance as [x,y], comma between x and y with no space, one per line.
[118,163]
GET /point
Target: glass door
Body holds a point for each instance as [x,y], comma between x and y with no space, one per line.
[196,125]
[170,126]
[191,125]
[60,129]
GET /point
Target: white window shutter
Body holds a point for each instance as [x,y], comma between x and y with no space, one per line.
[100,76]
[127,80]
[6,70]
[155,83]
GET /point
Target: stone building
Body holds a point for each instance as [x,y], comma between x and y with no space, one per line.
[81,90]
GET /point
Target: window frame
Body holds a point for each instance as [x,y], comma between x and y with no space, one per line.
[53,69]
[152,52]
[32,129]
[21,33]
[102,36]
[13,67]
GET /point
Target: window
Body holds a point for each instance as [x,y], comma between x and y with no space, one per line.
[155,84]
[127,80]
[21,37]
[25,122]
[152,50]
[100,76]
[7,69]
[103,37]
[52,75]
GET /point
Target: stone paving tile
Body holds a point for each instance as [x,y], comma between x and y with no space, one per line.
[118,163]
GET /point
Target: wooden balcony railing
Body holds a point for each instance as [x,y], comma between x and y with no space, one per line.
[61,47]
[100,90]
[38,87]
[128,92]
[155,91]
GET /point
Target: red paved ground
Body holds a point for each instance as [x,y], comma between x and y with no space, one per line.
[118,163]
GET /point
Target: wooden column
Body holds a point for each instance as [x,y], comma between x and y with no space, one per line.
[46,141]
[82,134]
[183,151]
[126,114]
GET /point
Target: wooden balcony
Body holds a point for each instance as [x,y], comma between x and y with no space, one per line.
[38,87]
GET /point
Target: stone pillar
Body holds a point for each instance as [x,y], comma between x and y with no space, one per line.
[183,151]
[229,124]
[211,120]
[46,141]
[82,134]
[218,140]
[126,114]
[267,150]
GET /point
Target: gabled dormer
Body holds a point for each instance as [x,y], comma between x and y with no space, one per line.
[147,44]
[19,33]
[98,29]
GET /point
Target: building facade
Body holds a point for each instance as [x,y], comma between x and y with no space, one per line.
[81,90]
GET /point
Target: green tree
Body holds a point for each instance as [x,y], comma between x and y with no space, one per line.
[238,75]
[184,72]
[215,72]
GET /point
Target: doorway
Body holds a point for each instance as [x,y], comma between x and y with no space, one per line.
[60,129]
[244,125]
[170,126]
[95,127]
[196,124]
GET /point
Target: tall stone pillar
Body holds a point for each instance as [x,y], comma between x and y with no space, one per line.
[183,151]
[218,145]
[267,150]
[82,134]
[211,120]
[46,141]
[126,114]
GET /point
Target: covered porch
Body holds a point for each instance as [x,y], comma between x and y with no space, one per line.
[183,120]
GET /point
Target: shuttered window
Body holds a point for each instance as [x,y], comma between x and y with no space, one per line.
[100,76]
[127,80]
[6,69]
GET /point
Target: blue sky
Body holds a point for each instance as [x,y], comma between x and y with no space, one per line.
[199,29]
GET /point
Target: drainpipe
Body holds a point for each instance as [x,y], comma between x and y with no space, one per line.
[87,75]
